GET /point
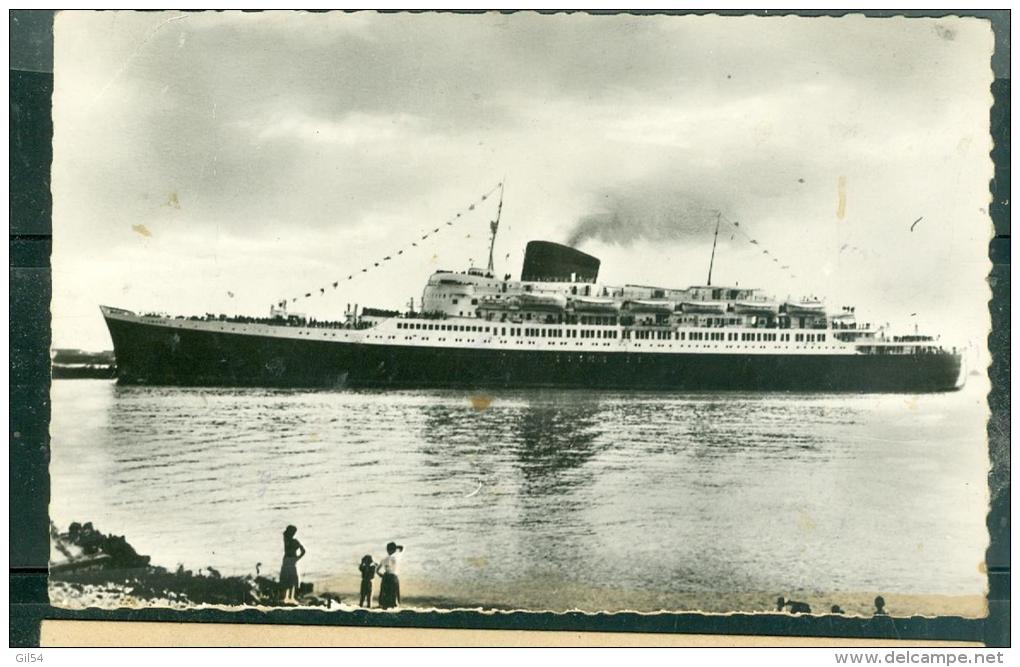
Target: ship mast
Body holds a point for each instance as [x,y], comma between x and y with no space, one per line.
[494,226]
[718,217]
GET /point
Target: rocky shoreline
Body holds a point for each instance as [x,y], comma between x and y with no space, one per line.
[89,568]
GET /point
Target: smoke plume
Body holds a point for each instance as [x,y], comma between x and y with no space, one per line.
[645,214]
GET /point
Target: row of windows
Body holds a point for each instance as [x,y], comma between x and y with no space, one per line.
[443,327]
[639,335]
[677,335]
[564,333]
[722,336]
[751,337]
[711,321]
[597,319]
[535,333]
[597,334]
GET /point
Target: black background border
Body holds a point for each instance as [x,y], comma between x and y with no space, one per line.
[31,131]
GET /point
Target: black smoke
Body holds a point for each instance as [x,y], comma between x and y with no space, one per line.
[626,216]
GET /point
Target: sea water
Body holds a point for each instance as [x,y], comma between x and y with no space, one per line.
[709,494]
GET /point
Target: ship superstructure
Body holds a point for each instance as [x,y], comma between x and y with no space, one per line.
[556,325]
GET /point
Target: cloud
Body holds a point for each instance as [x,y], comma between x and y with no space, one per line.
[353,129]
[293,142]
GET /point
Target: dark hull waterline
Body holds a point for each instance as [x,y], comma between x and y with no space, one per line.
[149,354]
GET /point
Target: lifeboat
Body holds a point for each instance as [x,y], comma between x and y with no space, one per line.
[709,307]
[595,304]
[530,301]
[804,308]
[649,306]
[490,303]
[757,307]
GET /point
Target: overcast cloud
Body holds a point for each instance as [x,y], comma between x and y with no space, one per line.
[266,155]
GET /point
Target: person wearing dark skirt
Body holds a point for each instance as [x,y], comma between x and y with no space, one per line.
[293,551]
[389,589]
[367,568]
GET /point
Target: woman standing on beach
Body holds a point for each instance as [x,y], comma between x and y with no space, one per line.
[293,551]
[389,589]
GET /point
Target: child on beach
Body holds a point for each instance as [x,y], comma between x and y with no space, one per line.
[367,568]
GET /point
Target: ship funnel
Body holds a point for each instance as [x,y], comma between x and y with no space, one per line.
[554,262]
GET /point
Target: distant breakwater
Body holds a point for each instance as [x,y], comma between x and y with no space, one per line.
[68,364]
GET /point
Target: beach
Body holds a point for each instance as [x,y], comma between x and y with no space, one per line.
[92,569]
[424,598]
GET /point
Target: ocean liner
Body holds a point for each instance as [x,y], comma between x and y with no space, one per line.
[557,326]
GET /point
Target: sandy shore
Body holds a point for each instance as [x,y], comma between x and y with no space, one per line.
[94,570]
[565,596]
[113,596]
[107,596]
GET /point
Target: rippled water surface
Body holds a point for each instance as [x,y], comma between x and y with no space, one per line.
[718,493]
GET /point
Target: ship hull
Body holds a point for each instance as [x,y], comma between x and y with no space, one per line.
[150,354]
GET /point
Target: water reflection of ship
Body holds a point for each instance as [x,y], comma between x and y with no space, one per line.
[554,442]
[548,439]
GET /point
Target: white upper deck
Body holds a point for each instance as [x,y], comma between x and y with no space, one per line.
[475,308]
[477,294]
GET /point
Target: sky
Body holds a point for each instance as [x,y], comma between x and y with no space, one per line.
[221,162]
